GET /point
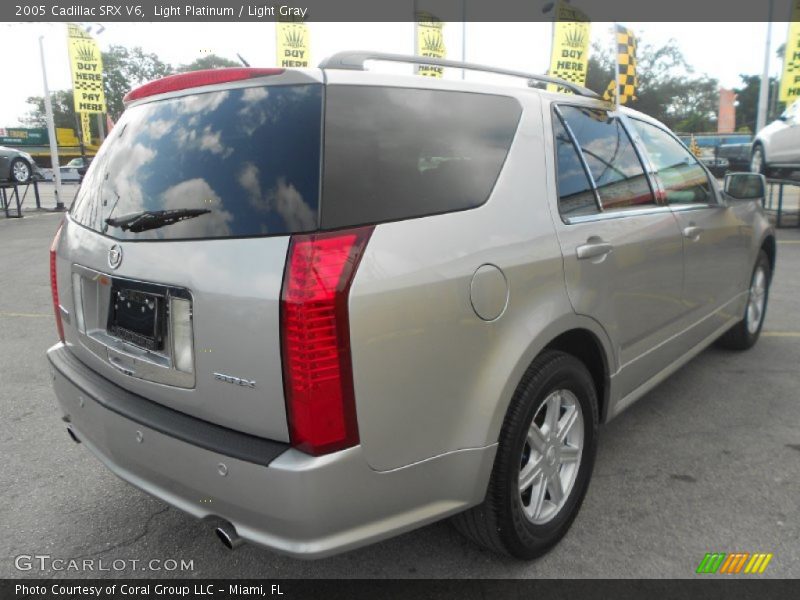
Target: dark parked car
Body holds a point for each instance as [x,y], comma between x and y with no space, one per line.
[738,155]
[717,165]
[17,166]
[82,167]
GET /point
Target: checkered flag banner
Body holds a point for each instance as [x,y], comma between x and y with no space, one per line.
[627,82]
[611,93]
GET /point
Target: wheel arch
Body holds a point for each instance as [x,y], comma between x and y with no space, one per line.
[759,143]
[586,347]
[581,336]
[769,246]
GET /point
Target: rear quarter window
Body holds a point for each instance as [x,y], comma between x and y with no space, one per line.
[611,158]
[397,153]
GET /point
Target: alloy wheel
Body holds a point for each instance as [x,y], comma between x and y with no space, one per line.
[551,456]
[758,296]
[21,171]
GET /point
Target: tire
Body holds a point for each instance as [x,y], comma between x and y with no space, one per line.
[20,171]
[746,332]
[507,521]
[758,161]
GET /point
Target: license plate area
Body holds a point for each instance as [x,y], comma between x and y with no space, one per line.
[137,315]
[133,343]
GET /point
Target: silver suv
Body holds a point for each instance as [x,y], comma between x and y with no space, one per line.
[322,307]
[776,148]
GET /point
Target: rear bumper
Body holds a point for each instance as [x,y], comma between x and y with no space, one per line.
[275,496]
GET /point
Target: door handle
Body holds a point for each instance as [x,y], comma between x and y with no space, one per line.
[692,232]
[593,250]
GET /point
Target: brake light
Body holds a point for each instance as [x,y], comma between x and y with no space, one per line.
[315,339]
[54,283]
[183,81]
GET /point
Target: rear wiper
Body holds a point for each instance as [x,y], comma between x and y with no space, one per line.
[153,219]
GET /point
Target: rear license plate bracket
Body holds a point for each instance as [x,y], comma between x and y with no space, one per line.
[137,317]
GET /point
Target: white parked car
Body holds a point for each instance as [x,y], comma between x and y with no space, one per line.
[72,170]
[69,173]
[777,146]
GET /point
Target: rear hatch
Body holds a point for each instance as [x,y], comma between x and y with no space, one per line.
[174,250]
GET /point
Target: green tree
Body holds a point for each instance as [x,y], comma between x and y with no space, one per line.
[212,61]
[124,69]
[668,89]
[747,99]
[63,110]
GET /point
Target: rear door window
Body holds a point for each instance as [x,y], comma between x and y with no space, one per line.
[576,196]
[397,153]
[232,163]
[610,155]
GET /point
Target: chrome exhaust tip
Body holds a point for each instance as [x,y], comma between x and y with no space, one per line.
[228,536]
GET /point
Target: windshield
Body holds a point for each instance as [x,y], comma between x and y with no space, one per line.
[234,163]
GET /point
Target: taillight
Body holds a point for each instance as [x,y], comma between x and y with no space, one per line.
[183,81]
[54,283]
[315,339]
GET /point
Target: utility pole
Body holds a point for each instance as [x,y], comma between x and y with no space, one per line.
[763,89]
[51,130]
[82,142]
[416,34]
[101,127]
[615,56]
[463,36]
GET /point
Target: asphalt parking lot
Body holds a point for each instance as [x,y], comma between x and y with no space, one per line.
[708,461]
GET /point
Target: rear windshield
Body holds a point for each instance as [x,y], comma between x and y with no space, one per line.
[232,163]
[397,153]
[247,162]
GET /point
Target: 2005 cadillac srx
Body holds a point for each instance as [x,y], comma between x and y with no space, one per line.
[341,304]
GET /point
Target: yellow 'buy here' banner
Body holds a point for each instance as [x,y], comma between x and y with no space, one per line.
[569,56]
[87,71]
[790,81]
[292,44]
[430,42]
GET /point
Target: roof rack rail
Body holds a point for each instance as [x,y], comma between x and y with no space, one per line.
[354,61]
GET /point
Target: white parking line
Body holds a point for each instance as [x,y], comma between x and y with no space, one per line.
[32,215]
[780,333]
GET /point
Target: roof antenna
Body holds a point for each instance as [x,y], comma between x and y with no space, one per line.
[243,61]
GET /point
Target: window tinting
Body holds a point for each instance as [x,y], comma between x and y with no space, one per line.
[684,180]
[395,153]
[238,162]
[575,194]
[612,160]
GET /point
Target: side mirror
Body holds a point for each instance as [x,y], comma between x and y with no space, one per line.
[783,117]
[745,186]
